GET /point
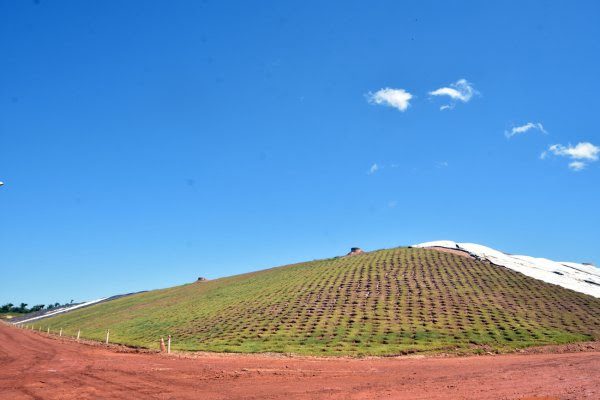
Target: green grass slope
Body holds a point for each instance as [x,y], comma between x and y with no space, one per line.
[385,302]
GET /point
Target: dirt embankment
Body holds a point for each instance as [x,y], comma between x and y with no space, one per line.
[36,367]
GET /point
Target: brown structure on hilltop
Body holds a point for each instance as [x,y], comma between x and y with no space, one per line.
[354,251]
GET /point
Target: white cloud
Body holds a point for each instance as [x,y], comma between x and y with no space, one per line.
[374,168]
[583,151]
[577,165]
[461,90]
[397,98]
[524,128]
[582,154]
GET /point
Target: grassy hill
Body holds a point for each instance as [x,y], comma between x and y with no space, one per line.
[8,315]
[385,302]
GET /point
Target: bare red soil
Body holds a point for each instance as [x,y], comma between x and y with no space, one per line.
[33,366]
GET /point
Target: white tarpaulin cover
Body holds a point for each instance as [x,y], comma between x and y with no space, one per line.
[582,278]
[61,310]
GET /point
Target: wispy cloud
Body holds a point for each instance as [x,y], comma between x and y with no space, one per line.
[517,130]
[582,154]
[462,90]
[577,165]
[396,98]
[374,168]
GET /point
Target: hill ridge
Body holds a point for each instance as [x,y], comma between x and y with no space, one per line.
[584,278]
[385,302]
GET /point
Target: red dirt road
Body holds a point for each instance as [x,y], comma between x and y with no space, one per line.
[33,366]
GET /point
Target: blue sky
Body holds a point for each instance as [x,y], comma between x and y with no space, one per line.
[144,144]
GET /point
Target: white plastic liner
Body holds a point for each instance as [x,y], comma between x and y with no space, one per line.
[579,277]
[61,310]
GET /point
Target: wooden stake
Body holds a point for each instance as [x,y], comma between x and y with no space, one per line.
[162,345]
[107,334]
[60,333]
[78,333]
[169,344]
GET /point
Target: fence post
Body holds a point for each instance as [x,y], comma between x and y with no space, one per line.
[60,333]
[78,333]
[107,334]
